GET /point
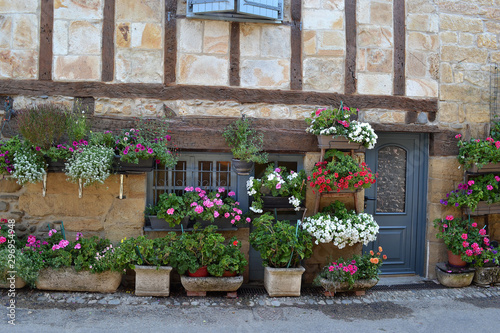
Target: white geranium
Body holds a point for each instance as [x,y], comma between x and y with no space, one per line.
[29,167]
[92,165]
[353,228]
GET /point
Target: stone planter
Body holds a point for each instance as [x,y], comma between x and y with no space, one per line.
[339,143]
[484,208]
[487,168]
[198,286]
[283,281]
[484,276]
[152,280]
[132,168]
[242,168]
[18,284]
[160,224]
[359,287]
[67,279]
[454,277]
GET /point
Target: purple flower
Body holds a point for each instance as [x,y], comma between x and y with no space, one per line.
[469,192]
[456,204]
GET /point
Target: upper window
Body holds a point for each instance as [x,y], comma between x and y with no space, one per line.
[269,11]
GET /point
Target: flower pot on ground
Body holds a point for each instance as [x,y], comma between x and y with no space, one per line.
[277,188]
[342,172]
[487,264]
[198,286]
[454,277]
[485,276]
[246,145]
[282,246]
[455,259]
[150,258]
[357,273]
[14,282]
[337,123]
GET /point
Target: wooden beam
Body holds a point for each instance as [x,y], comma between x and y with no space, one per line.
[296,46]
[350,47]
[213,93]
[46,34]
[108,44]
[399,29]
[170,47]
[234,55]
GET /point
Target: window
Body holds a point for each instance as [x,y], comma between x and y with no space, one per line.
[268,11]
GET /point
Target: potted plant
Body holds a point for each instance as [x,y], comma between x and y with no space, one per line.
[481,192]
[487,264]
[282,246]
[357,274]
[170,211]
[203,252]
[478,155]
[246,145]
[86,264]
[341,227]
[277,188]
[335,129]
[150,258]
[343,172]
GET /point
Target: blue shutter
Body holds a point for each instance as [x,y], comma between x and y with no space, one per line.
[207,6]
[271,9]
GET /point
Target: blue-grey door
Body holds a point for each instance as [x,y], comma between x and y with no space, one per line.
[398,200]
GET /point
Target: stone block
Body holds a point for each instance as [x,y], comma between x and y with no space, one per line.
[448,112]
[448,37]
[331,40]
[85,38]
[18,6]
[131,67]
[25,33]
[323,74]
[466,39]
[418,22]
[463,93]
[361,60]
[319,19]
[60,37]
[123,35]
[375,84]
[270,35]
[8,185]
[203,70]
[19,64]
[422,41]
[140,11]
[78,10]
[265,73]
[488,41]
[216,37]
[446,73]
[4,206]
[422,87]
[477,113]
[379,60]
[332,4]
[146,36]
[363,11]
[438,189]
[5,32]
[375,37]
[309,42]
[493,27]
[82,224]
[460,23]
[381,14]
[249,40]
[416,64]
[77,68]
[495,56]
[190,35]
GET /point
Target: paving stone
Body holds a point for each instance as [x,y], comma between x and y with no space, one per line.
[275,303]
[346,301]
[103,301]
[114,302]
[93,301]
[329,302]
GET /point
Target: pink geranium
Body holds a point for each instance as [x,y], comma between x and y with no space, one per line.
[482,232]
[464,236]
[170,211]
[199,209]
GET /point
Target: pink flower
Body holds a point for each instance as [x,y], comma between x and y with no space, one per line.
[330,268]
[199,209]
[51,232]
[233,221]
[465,244]
[237,217]
[78,246]
[445,226]
[168,137]
[464,236]
[216,214]
[474,224]
[150,150]
[197,189]
[221,189]
[449,217]
[469,253]
[37,148]
[55,247]
[226,215]
[482,232]
[489,187]
[497,144]
[248,220]
[231,193]
[194,204]
[170,211]
[470,182]
[278,186]
[458,136]
[277,170]
[497,178]
[2,239]
[486,240]
[31,239]
[318,111]
[188,189]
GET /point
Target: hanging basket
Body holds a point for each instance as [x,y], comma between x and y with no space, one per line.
[242,168]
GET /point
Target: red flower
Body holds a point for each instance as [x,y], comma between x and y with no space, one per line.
[235,243]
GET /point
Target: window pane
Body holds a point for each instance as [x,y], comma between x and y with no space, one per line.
[391,181]
[205,179]
[288,165]
[223,174]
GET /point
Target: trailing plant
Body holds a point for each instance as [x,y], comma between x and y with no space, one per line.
[281,245]
[277,182]
[14,260]
[341,227]
[478,152]
[336,122]
[364,267]
[29,165]
[245,142]
[480,188]
[343,172]
[92,164]
[7,150]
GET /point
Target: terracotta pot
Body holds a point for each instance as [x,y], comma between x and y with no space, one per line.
[228,274]
[455,260]
[201,272]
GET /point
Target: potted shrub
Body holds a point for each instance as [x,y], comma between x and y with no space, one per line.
[203,252]
[481,193]
[282,246]
[246,145]
[150,259]
[487,264]
[478,155]
[335,129]
[169,212]
[342,173]
[86,264]
[277,188]
[357,274]
[341,227]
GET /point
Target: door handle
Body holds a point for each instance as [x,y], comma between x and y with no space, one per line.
[368,198]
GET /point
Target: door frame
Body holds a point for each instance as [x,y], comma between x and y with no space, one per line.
[421,159]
